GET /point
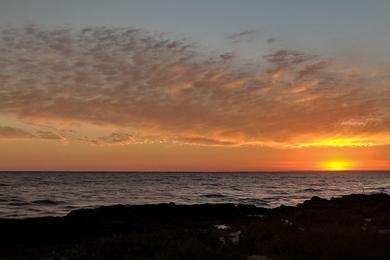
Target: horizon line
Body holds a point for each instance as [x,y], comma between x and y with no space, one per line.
[186,171]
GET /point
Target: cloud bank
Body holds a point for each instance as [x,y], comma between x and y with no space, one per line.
[151,88]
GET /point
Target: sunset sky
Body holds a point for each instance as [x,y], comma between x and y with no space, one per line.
[194,85]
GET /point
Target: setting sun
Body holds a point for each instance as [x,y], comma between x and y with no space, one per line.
[338,165]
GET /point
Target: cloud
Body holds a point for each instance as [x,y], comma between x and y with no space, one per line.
[11,133]
[248,35]
[200,140]
[7,132]
[151,88]
[272,40]
[313,69]
[48,135]
[114,138]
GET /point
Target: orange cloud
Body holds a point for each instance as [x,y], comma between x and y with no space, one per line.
[11,132]
[7,132]
[153,88]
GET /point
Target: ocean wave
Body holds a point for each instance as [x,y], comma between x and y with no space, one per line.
[212,184]
[253,201]
[213,195]
[47,202]
[312,189]
[18,203]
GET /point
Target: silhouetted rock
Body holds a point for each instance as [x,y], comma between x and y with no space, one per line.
[349,227]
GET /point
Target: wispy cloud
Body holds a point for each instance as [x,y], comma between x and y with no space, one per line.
[11,132]
[247,35]
[155,88]
[115,138]
[7,132]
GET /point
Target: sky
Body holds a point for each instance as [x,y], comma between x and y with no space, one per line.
[194,85]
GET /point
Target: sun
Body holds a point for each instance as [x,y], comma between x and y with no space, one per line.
[338,165]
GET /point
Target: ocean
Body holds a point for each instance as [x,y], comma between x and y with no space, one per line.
[35,194]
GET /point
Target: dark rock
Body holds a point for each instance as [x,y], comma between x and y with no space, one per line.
[316,229]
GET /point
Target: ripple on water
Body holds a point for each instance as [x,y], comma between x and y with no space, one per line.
[312,189]
[253,201]
[213,195]
[47,202]
[18,203]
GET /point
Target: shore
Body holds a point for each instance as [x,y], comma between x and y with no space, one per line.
[348,227]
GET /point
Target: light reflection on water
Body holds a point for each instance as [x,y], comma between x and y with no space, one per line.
[55,194]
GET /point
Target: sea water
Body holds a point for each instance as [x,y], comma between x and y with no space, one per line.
[33,194]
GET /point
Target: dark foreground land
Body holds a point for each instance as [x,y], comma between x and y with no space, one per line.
[351,227]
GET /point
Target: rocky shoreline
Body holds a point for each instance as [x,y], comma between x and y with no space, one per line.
[355,226]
